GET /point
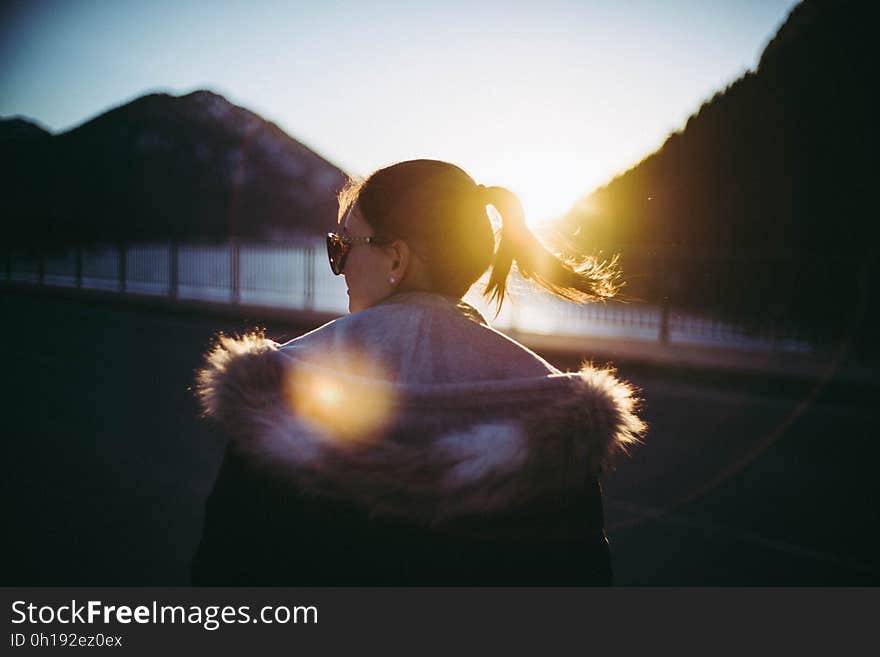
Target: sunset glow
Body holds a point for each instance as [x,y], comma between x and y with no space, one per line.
[548,100]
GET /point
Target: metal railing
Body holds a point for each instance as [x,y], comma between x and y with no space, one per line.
[295,276]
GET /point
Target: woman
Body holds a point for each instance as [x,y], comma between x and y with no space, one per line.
[409,442]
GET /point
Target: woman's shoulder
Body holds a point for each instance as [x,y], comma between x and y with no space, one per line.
[421,338]
[397,314]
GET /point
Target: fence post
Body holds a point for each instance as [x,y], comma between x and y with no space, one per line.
[8,264]
[79,266]
[235,270]
[863,325]
[172,270]
[41,268]
[122,273]
[513,312]
[664,322]
[309,277]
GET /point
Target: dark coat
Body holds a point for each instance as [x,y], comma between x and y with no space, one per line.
[408,444]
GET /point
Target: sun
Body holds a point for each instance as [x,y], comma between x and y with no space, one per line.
[548,192]
[543,203]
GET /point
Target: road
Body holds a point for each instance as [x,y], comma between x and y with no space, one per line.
[108,465]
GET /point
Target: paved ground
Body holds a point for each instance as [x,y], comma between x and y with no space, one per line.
[107,466]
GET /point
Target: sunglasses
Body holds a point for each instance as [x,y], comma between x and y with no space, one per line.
[338,247]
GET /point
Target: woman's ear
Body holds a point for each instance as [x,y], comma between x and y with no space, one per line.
[400,260]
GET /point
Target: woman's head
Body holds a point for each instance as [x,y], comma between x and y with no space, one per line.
[429,230]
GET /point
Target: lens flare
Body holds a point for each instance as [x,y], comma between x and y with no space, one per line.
[351,408]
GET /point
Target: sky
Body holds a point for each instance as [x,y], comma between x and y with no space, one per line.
[550,99]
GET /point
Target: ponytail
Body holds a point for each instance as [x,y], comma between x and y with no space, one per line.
[578,281]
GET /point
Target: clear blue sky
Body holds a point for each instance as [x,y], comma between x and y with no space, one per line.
[549,98]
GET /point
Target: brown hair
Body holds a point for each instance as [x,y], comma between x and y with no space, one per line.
[440,212]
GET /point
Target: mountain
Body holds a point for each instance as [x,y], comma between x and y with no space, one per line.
[763,202]
[19,129]
[191,168]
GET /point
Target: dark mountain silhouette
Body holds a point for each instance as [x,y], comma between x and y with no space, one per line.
[763,203]
[191,168]
[19,129]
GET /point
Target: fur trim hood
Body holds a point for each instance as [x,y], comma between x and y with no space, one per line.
[348,413]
